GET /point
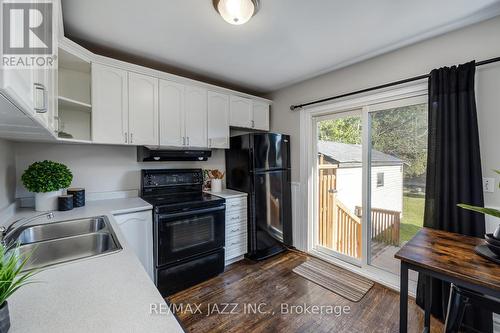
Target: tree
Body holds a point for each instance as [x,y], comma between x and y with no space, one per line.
[400,132]
[344,130]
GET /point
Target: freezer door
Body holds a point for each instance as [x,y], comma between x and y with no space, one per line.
[271,151]
[272,203]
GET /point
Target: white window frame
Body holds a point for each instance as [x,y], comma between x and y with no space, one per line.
[367,103]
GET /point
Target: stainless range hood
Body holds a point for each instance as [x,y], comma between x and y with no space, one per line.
[145,154]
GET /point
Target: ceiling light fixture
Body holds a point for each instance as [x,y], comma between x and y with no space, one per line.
[237,11]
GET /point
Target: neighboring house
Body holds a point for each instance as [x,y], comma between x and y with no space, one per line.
[386,175]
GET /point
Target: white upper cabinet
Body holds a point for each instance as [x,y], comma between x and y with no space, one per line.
[241,112]
[260,116]
[110,105]
[195,115]
[171,114]
[143,109]
[248,113]
[218,120]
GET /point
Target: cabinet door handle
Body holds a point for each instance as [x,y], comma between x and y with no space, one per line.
[234,230]
[38,87]
[183,140]
[131,137]
[210,143]
[126,137]
[235,218]
[253,123]
[188,140]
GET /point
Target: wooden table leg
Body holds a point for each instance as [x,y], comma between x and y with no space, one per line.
[427,305]
[403,299]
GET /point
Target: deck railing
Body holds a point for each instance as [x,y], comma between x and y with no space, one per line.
[385,225]
[339,228]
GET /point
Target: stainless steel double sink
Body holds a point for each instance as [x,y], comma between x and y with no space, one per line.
[53,243]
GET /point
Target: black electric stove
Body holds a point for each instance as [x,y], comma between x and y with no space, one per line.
[179,202]
[188,228]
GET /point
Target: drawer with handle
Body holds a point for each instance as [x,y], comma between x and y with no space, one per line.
[236,229]
[235,252]
[235,217]
[236,246]
[236,240]
[236,204]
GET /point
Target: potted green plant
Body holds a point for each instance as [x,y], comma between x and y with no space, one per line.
[46,179]
[488,211]
[11,279]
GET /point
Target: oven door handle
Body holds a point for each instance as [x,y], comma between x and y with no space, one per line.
[193,212]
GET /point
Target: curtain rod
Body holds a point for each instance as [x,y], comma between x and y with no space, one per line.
[386,85]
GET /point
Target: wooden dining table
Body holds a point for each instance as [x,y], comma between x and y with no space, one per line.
[449,257]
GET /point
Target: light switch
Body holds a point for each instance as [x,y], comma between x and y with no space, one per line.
[489,185]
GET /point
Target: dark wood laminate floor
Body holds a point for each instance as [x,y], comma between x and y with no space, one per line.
[272,283]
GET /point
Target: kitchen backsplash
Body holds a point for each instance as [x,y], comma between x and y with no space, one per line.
[99,168]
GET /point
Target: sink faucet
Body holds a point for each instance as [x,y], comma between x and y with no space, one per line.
[6,232]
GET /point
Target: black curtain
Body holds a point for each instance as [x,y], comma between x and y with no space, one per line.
[453,173]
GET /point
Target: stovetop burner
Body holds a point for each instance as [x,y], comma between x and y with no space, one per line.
[177,199]
[171,190]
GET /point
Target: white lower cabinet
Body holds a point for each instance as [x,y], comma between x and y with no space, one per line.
[137,228]
[236,229]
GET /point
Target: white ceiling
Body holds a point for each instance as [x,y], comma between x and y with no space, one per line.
[286,42]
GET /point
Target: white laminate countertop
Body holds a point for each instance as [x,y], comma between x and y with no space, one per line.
[109,293]
[228,194]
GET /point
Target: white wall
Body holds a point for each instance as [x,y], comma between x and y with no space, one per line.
[99,168]
[389,196]
[480,41]
[7,174]
[488,104]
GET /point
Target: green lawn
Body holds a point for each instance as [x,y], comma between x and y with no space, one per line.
[413,216]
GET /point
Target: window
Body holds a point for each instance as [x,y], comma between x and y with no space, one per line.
[380,179]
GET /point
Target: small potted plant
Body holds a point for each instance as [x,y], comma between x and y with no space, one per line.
[11,279]
[46,179]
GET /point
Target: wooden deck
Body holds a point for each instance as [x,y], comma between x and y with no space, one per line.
[272,282]
[340,228]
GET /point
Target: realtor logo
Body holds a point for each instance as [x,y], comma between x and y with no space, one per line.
[27,36]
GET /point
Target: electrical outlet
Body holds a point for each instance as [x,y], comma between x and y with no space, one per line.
[489,185]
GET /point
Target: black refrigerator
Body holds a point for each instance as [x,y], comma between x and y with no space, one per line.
[259,164]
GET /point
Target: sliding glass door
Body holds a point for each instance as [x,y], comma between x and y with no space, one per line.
[370,161]
[397,160]
[339,184]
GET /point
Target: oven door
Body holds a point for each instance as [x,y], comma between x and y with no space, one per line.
[186,234]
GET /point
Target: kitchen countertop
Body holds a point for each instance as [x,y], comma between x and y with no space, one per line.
[228,194]
[110,293]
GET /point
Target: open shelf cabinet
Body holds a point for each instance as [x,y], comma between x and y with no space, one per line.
[74,99]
